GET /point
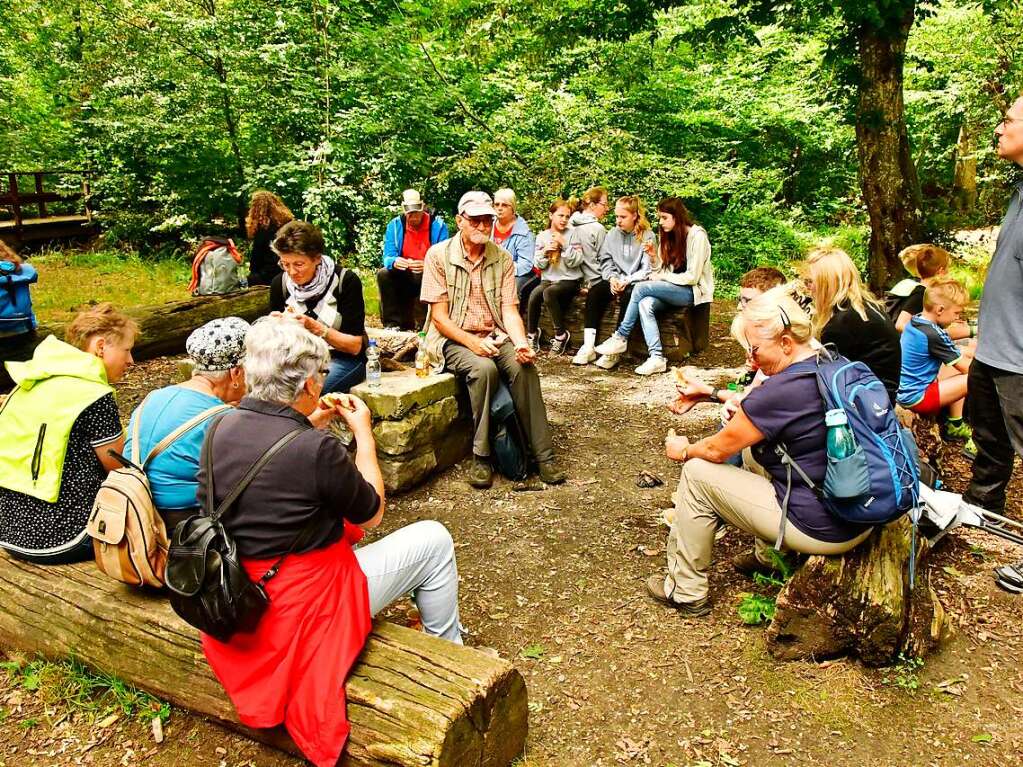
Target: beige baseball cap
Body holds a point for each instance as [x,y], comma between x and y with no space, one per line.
[411,201]
[476,204]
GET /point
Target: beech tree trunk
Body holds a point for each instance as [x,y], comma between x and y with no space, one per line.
[964,184]
[888,177]
[413,700]
[859,604]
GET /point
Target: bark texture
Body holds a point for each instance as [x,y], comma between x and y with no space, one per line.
[888,177]
[859,604]
[413,700]
[164,327]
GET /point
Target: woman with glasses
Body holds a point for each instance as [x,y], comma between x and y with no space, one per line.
[513,234]
[848,317]
[786,409]
[325,297]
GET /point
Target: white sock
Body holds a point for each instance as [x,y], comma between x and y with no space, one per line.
[589,336]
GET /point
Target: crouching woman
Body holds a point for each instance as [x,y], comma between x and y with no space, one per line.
[786,409]
[314,500]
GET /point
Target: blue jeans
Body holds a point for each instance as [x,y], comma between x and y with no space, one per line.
[648,298]
[345,372]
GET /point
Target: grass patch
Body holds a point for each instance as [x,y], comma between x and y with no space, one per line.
[71,280]
[70,683]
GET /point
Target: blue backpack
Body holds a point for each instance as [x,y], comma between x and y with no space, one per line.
[879,482]
[16,316]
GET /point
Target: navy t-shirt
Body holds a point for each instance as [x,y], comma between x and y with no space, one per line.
[787,408]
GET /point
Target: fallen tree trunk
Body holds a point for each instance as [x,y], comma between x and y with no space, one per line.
[413,700]
[859,604]
[164,327]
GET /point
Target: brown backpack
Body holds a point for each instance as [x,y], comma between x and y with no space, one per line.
[129,535]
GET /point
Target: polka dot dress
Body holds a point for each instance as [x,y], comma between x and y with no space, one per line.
[32,526]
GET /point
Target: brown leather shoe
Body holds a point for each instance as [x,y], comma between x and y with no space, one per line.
[748,564]
[550,473]
[655,588]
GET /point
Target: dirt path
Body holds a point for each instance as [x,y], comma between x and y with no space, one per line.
[554,580]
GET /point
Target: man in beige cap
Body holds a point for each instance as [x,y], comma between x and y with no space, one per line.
[406,241]
[476,331]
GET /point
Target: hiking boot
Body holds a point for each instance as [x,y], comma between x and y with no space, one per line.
[651,366]
[559,344]
[614,345]
[608,361]
[584,356]
[533,339]
[748,564]
[970,450]
[550,473]
[959,430]
[481,474]
[655,588]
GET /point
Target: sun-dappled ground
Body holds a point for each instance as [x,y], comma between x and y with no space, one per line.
[553,580]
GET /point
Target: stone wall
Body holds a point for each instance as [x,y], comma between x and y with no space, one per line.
[422,425]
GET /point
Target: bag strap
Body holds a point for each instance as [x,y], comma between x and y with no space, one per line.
[790,463]
[177,434]
[243,483]
[134,457]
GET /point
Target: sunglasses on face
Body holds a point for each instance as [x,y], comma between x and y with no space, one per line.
[480,222]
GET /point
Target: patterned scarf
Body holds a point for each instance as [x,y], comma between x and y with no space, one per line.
[317,286]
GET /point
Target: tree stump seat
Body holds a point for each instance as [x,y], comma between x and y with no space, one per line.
[860,604]
[684,331]
[413,700]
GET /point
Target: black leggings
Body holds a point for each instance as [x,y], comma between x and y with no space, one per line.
[557,295]
[597,300]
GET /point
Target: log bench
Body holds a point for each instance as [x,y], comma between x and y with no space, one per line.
[413,700]
[859,604]
[684,331]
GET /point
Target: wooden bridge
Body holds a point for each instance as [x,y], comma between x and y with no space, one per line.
[44,205]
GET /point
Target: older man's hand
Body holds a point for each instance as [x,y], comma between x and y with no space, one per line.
[483,347]
[524,355]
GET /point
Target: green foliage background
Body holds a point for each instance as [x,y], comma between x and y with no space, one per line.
[186,106]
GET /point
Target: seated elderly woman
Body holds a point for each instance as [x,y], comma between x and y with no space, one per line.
[785,409]
[58,425]
[174,419]
[314,500]
[326,297]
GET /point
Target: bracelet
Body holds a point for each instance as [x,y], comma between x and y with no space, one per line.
[326,329]
[715,393]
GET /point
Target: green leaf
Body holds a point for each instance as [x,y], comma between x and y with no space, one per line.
[533,651]
[755,609]
[983,737]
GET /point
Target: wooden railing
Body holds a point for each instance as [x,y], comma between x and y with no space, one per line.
[17,200]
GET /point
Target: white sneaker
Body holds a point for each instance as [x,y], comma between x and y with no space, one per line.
[652,365]
[608,361]
[613,345]
[584,356]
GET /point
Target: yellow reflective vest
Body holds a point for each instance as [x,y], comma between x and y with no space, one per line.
[53,388]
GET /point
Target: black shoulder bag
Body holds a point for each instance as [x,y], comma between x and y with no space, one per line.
[208,586]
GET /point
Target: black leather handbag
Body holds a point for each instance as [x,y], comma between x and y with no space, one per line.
[208,586]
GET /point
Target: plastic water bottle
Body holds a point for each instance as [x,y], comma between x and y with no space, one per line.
[373,363]
[422,357]
[841,442]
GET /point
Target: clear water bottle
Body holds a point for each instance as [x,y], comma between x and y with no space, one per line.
[373,363]
[841,442]
[422,357]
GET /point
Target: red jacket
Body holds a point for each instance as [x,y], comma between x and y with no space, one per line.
[292,669]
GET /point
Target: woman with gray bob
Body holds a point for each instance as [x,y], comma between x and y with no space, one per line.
[310,504]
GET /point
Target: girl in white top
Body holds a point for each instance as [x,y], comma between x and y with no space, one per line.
[682,276]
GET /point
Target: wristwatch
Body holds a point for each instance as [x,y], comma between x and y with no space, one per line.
[715,394]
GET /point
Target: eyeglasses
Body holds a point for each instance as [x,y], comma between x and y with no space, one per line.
[480,222]
[297,266]
[743,300]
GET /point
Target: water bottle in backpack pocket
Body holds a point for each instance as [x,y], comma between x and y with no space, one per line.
[847,476]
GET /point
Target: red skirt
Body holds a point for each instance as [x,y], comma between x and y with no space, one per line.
[292,669]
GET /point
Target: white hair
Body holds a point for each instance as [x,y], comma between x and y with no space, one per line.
[774,313]
[507,195]
[280,355]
